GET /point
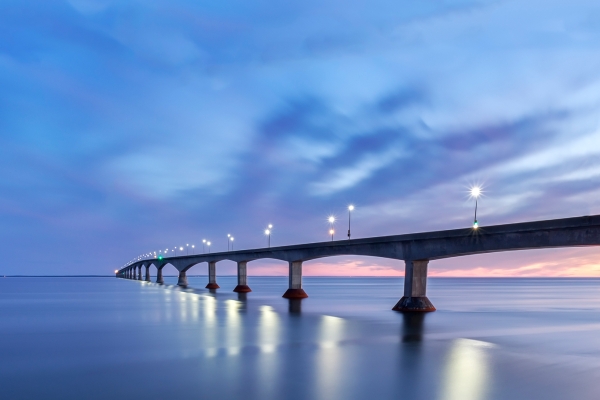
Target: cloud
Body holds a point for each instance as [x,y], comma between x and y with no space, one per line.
[135,124]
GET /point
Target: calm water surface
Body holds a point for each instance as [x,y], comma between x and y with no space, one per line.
[107,338]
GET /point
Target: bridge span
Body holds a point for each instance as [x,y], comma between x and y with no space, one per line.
[416,249]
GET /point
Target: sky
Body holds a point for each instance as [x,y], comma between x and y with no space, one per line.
[132,126]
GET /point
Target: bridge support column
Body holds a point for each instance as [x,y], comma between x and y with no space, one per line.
[415,288]
[159,276]
[139,277]
[148,273]
[242,286]
[182,281]
[295,290]
[129,273]
[212,275]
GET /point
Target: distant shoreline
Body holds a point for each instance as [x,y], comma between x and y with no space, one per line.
[319,276]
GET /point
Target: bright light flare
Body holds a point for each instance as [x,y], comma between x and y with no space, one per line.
[331,219]
[267,232]
[475,191]
[331,231]
[351,207]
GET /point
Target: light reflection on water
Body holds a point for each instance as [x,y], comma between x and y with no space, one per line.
[466,375]
[490,339]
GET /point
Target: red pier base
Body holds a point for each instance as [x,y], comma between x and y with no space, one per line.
[414,304]
[295,294]
[242,289]
[213,286]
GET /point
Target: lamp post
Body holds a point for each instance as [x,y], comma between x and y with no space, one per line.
[268,233]
[228,237]
[193,249]
[331,220]
[231,240]
[350,209]
[208,244]
[475,192]
[187,249]
[203,243]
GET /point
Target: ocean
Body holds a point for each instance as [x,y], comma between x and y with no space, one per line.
[107,338]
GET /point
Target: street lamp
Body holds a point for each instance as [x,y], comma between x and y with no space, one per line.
[475,192]
[228,237]
[268,233]
[350,209]
[231,239]
[187,249]
[203,243]
[208,244]
[193,249]
[331,232]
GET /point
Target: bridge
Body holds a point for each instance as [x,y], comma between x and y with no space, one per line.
[415,249]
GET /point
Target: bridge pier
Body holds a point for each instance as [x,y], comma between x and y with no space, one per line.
[242,286]
[159,276]
[295,290]
[415,288]
[182,281]
[212,275]
[139,277]
[148,273]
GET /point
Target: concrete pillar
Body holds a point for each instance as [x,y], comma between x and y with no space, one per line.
[212,275]
[159,276]
[182,281]
[295,290]
[139,277]
[128,273]
[148,273]
[242,286]
[415,288]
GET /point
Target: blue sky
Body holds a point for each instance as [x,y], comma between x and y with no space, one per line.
[130,126]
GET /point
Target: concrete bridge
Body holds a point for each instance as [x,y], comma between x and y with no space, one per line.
[415,249]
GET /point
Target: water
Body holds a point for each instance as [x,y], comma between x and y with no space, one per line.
[107,338]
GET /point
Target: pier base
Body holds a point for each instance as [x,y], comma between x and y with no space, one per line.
[416,304]
[295,294]
[212,275]
[242,289]
[242,278]
[295,290]
[415,288]
[182,281]
[159,277]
